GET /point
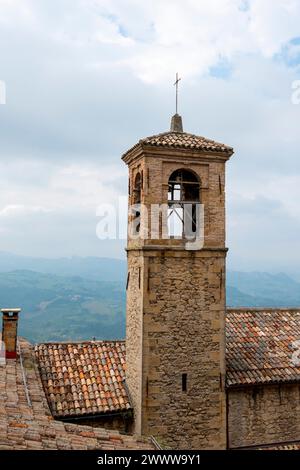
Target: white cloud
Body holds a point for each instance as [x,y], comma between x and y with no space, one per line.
[193,36]
[13,12]
[63,222]
[162,36]
[16,209]
[274,23]
[86,78]
[67,188]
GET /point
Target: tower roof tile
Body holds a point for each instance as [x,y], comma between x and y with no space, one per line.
[182,140]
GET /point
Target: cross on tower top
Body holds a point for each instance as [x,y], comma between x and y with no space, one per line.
[176,85]
[176,122]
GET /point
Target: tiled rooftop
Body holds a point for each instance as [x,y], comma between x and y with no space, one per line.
[89,378]
[182,140]
[285,446]
[262,346]
[84,378]
[32,427]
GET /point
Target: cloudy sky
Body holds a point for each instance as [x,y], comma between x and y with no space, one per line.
[85,79]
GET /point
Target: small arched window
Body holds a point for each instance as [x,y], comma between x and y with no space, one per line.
[137,198]
[183,197]
[137,191]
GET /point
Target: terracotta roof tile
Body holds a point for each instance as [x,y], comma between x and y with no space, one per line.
[182,140]
[32,427]
[80,399]
[293,445]
[261,346]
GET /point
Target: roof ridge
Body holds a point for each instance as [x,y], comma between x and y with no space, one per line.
[86,341]
[262,309]
[189,134]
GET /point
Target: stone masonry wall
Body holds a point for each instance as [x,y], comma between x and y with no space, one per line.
[117,422]
[134,329]
[263,415]
[184,334]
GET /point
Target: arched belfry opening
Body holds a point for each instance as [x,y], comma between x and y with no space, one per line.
[183,198]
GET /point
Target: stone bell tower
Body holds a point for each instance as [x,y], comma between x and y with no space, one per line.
[176,252]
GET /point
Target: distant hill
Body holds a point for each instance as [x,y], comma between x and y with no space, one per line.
[100,269]
[81,298]
[259,289]
[57,308]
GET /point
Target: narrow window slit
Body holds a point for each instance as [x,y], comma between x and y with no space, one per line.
[220,184]
[128,279]
[148,279]
[184,382]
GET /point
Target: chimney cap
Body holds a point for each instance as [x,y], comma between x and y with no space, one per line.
[10,310]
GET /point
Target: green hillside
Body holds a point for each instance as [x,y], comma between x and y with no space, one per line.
[82,298]
[57,308]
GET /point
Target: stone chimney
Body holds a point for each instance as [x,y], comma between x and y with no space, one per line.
[10,331]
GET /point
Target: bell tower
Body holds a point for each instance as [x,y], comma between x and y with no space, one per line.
[175,331]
